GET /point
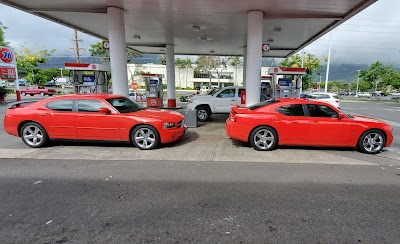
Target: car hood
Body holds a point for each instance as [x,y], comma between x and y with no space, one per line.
[202,97]
[161,114]
[360,118]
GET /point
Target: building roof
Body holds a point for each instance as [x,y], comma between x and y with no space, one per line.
[202,27]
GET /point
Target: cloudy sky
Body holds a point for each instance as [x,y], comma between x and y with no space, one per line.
[372,35]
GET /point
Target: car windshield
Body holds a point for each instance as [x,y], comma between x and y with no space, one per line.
[262,104]
[124,105]
[213,91]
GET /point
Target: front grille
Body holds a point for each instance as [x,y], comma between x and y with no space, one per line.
[180,124]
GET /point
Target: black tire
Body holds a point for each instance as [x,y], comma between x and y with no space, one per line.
[143,134]
[42,94]
[31,132]
[23,94]
[371,141]
[264,138]
[203,113]
[32,95]
[50,95]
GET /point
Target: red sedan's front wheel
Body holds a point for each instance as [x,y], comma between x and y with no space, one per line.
[371,142]
[145,137]
[264,138]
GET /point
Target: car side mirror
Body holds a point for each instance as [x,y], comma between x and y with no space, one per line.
[104,111]
[341,116]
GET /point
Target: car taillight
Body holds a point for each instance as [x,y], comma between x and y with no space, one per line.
[337,101]
[232,116]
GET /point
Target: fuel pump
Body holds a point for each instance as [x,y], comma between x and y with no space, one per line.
[88,78]
[290,85]
[154,90]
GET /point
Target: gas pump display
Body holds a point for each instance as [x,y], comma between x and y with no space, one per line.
[154,91]
[288,86]
[89,78]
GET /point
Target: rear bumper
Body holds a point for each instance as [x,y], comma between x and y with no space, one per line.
[171,135]
[235,131]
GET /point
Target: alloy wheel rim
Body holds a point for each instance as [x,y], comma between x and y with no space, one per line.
[33,135]
[264,139]
[373,142]
[202,114]
[145,138]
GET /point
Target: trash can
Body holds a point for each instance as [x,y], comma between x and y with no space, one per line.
[191,118]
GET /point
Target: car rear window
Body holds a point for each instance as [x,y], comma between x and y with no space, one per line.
[61,105]
[336,97]
[262,104]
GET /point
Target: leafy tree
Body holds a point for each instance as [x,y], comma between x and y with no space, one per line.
[392,78]
[28,62]
[376,72]
[311,62]
[97,50]
[2,35]
[205,64]
[45,75]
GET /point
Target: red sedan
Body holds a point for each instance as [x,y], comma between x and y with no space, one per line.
[302,122]
[93,117]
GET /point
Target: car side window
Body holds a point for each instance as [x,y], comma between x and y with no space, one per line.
[323,96]
[321,111]
[61,105]
[227,93]
[291,110]
[240,92]
[90,105]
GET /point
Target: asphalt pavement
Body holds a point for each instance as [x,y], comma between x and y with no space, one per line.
[203,189]
[83,201]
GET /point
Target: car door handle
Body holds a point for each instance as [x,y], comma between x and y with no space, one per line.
[233,100]
[80,115]
[42,114]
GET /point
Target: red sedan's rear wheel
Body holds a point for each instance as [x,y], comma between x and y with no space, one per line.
[145,137]
[34,135]
[264,138]
[371,141]
[23,93]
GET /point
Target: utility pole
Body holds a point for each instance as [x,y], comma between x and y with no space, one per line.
[76,47]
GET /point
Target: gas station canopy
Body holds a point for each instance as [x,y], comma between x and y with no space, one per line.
[201,27]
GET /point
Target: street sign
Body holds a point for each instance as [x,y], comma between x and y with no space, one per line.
[265,47]
[7,73]
[7,56]
[134,86]
[106,45]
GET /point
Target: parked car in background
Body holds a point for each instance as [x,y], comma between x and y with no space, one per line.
[331,98]
[217,102]
[378,94]
[51,83]
[2,83]
[301,122]
[40,90]
[363,94]
[92,117]
[395,94]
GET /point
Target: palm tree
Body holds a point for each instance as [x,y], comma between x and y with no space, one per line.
[235,61]
[188,64]
[180,63]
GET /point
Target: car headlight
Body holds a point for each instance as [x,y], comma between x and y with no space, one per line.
[168,125]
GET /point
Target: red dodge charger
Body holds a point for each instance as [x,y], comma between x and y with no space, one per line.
[302,122]
[92,117]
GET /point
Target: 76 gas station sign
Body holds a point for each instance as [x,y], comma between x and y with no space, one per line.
[7,56]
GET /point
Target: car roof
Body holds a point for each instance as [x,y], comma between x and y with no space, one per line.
[102,96]
[301,100]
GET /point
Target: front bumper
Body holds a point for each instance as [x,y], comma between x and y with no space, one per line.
[170,135]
